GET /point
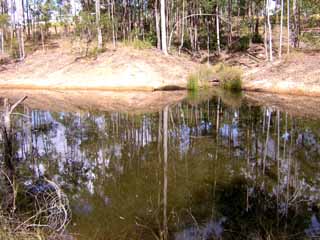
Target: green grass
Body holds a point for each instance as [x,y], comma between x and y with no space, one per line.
[139,44]
[200,78]
[230,77]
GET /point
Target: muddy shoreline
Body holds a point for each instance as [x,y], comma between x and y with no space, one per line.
[135,102]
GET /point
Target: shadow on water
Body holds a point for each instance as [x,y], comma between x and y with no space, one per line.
[209,167]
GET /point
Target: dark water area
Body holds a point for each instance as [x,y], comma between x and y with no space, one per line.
[194,170]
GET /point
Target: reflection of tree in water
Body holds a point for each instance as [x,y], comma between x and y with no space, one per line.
[196,169]
[31,205]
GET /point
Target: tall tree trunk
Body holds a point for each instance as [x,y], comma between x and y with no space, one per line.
[288,26]
[281,30]
[229,24]
[2,40]
[295,25]
[20,43]
[163,27]
[98,24]
[113,26]
[270,31]
[182,27]
[218,28]
[157,18]
[265,30]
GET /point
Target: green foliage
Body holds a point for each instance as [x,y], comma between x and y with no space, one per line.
[193,83]
[14,51]
[4,20]
[200,78]
[105,23]
[151,37]
[46,10]
[139,44]
[94,52]
[242,44]
[313,21]
[85,23]
[312,40]
[230,77]
[257,38]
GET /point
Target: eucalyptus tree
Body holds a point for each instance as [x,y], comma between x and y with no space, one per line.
[163,27]
[4,20]
[99,33]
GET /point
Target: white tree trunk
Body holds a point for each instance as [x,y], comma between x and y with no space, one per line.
[98,24]
[2,41]
[288,26]
[218,29]
[182,27]
[281,31]
[270,31]
[113,27]
[156,12]
[20,43]
[163,27]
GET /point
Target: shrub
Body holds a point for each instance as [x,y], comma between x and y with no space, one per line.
[230,77]
[257,38]
[243,44]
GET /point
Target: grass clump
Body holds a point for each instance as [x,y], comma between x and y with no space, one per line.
[230,77]
[200,78]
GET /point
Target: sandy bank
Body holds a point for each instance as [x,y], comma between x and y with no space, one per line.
[60,68]
[123,69]
[297,75]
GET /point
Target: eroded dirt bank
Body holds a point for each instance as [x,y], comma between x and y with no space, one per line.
[126,68]
[299,74]
[61,68]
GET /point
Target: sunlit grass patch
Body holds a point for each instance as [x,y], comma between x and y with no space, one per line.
[200,78]
[138,44]
[230,77]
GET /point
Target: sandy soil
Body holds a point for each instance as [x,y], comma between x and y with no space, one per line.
[299,74]
[61,68]
[125,68]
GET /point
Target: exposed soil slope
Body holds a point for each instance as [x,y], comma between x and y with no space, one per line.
[124,68]
[299,74]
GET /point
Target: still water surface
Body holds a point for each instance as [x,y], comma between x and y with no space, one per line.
[194,170]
